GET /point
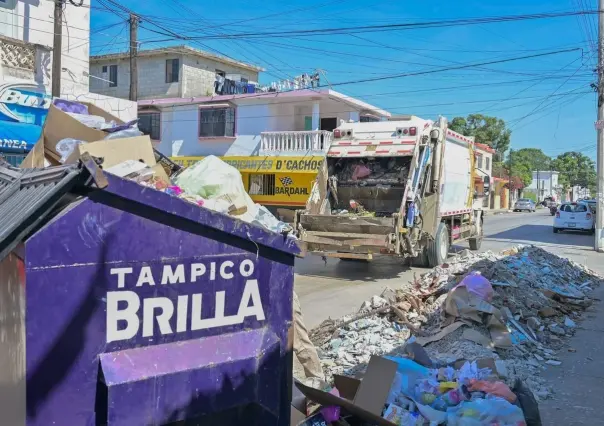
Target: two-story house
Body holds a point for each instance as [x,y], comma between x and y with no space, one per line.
[171,72]
[26,45]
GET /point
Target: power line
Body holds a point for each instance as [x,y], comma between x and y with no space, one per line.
[401,26]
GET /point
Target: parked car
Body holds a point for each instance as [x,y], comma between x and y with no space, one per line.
[574,216]
[524,204]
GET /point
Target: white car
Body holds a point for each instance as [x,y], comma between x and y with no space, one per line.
[574,216]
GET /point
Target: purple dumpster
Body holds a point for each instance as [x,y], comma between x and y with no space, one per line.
[122,305]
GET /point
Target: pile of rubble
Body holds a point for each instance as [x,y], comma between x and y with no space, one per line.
[515,307]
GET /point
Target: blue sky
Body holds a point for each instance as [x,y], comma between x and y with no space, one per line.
[546,101]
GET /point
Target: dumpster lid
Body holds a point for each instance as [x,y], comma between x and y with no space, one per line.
[28,196]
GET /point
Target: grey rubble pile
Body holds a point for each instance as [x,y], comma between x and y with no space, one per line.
[537,297]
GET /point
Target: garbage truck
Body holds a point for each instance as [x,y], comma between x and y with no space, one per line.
[403,188]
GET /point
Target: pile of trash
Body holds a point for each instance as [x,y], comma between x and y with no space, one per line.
[514,308]
[72,128]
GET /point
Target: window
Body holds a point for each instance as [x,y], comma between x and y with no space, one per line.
[112,75]
[172,70]
[217,122]
[368,119]
[262,184]
[149,124]
[479,161]
[104,69]
[220,73]
[487,163]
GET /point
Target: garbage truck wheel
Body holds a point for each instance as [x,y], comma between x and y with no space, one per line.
[438,248]
[475,243]
[421,261]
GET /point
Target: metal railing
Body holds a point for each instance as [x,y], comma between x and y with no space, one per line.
[295,141]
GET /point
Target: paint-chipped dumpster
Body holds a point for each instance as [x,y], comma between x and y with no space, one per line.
[125,306]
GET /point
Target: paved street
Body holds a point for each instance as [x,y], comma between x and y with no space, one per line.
[338,288]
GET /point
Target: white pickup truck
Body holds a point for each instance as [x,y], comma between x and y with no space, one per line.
[401,188]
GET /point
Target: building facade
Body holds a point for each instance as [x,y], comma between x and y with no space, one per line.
[545,184]
[289,123]
[484,172]
[26,43]
[170,72]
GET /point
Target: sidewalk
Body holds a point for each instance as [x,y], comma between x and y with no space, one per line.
[579,381]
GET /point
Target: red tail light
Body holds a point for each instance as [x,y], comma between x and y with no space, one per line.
[413,131]
[337,133]
[558,215]
[588,216]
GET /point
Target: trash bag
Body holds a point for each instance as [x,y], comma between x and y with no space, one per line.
[499,389]
[478,285]
[528,403]
[66,146]
[488,411]
[221,186]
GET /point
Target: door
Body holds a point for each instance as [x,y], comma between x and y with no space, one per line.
[329,124]
[307,124]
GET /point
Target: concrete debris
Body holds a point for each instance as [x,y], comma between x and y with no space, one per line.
[533,292]
[569,323]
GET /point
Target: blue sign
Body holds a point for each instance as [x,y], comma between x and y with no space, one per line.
[23,109]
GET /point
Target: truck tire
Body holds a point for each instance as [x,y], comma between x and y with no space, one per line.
[475,243]
[438,248]
[421,261]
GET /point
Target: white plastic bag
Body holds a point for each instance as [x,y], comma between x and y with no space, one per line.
[66,146]
[130,132]
[94,121]
[213,179]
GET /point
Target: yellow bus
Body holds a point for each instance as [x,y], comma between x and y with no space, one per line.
[274,182]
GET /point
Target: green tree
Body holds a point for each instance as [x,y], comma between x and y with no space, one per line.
[525,161]
[575,169]
[490,131]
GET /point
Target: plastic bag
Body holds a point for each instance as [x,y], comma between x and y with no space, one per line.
[360,171]
[66,146]
[499,389]
[411,373]
[125,133]
[94,121]
[528,403]
[478,285]
[332,413]
[486,411]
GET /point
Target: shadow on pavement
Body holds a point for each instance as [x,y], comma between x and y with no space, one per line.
[382,267]
[543,234]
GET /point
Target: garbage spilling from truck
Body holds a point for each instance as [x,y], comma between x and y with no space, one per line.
[463,338]
[73,128]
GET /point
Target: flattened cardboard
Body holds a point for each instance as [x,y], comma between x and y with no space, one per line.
[368,401]
[376,385]
[116,151]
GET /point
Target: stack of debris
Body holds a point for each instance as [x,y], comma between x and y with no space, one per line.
[74,128]
[513,308]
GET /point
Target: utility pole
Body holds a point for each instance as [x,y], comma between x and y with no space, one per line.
[133,54]
[57,48]
[599,243]
[510,179]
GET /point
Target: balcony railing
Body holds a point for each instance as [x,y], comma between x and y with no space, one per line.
[17,54]
[273,142]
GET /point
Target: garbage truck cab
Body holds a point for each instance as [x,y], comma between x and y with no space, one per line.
[403,187]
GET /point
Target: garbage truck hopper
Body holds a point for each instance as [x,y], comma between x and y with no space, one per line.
[396,187]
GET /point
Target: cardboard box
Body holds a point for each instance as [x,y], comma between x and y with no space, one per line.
[60,125]
[116,151]
[364,398]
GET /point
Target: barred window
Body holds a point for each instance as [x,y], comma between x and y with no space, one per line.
[261,184]
[217,122]
[150,124]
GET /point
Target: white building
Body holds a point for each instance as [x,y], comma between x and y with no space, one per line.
[297,122]
[26,43]
[545,184]
[484,170]
[169,72]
